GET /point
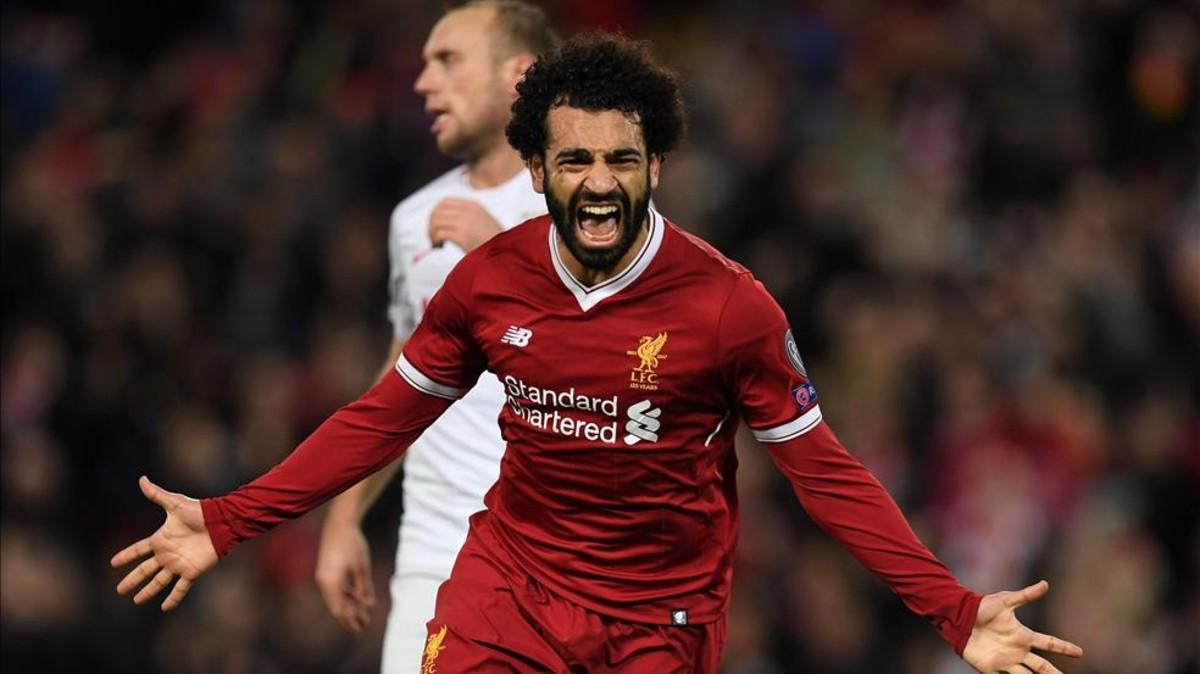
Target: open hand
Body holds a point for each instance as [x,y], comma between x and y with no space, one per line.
[181,547]
[1000,643]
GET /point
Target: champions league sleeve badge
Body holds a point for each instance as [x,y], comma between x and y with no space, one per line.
[805,396]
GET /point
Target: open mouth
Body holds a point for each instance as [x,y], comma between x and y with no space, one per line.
[599,224]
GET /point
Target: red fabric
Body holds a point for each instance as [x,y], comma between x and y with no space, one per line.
[617,490]
[846,501]
[493,618]
[356,441]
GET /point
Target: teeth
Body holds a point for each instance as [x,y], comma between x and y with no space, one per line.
[599,210]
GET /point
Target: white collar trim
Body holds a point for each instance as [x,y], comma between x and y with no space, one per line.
[590,296]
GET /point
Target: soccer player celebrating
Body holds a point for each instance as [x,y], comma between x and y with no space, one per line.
[474,57]
[628,350]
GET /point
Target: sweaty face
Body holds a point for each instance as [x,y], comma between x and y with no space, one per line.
[597,179]
[464,92]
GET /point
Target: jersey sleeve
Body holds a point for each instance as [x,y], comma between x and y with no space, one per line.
[354,442]
[439,364]
[761,366]
[442,358]
[401,314]
[779,404]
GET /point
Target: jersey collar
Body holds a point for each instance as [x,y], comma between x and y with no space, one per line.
[590,296]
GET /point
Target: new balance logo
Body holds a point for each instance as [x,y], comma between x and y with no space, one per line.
[518,337]
[643,423]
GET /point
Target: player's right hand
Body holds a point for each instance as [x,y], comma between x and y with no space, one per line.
[344,574]
[464,221]
[181,547]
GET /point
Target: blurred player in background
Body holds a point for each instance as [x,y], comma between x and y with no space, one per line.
[473,58]
[629,350]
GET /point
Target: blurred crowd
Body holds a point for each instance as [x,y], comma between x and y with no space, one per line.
[982,217]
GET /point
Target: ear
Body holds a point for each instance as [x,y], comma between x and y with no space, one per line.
[655,165]
[537,172]
[514,69]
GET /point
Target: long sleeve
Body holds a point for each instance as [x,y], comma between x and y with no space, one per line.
[357,440]
[850,504]
[775,396]
[440,363]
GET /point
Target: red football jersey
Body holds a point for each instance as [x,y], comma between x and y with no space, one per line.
[617,488]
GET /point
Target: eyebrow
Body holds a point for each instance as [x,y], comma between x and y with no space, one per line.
[624,153]
[439,55]
[582,153]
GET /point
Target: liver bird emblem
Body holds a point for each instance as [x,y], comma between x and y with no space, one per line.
[433,647]
[649,351]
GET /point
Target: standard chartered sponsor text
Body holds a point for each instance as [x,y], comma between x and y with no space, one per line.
[521,395]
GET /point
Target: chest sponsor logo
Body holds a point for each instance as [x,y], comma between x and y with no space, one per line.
[644,376]
[573,413]
[518,337]
[643,423]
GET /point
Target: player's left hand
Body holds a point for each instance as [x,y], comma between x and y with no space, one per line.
[1000,643]
[181,547]
[463,221]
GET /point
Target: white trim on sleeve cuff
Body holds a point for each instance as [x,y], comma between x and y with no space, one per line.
[792,429]
[424,384]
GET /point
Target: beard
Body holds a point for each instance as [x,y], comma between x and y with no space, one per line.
[566,220]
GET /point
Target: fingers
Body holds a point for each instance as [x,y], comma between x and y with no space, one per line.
[1039,665]
[441,233]
[156,584]
[358,597]
[1052,644]
[355,616]
[364,588]
[362,599]
[332,595]
[351,614]
[178,593]
[340,601]
[1030,594]
[131,553]
[139,574]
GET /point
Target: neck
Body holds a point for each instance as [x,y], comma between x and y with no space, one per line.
[589,276]
[494,167]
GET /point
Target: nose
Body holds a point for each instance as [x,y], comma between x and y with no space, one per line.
[424,83]
[600,179]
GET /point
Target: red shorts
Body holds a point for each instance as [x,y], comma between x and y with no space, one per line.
[493,618]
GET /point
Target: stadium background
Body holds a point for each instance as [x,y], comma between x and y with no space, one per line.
[983,219]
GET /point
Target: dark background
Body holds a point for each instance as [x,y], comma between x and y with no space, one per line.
[983,219]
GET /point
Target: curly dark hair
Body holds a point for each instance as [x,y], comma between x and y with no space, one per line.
[598,71]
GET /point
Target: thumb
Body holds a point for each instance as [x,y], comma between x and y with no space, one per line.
[1028,595]
[155,493]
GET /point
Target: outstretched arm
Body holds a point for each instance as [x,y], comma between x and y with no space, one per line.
[357,440]
[846,500]
[850,504]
